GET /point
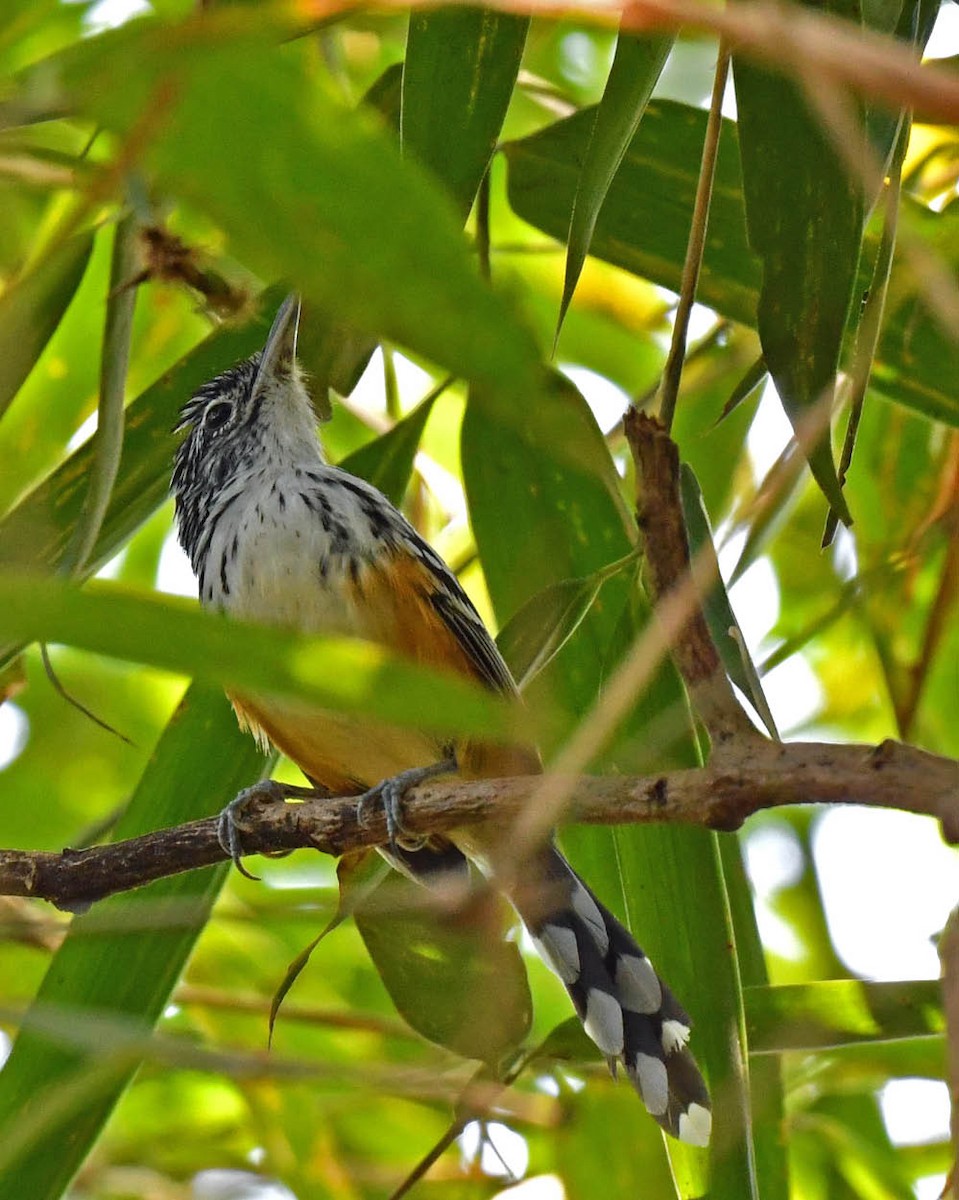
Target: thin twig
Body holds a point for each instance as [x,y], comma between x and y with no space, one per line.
[672,372]
[947,594]
[114,361]
[108,441]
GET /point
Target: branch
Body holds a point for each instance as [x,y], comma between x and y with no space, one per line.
[746,772]
[738,782]
[674,582]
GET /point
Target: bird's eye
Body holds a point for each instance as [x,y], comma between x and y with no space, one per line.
[217,414]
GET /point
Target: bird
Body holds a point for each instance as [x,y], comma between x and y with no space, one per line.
[277,535]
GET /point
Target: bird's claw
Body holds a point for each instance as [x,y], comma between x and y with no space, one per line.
[229,825]
[389,796]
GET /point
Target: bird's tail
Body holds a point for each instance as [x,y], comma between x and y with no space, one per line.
[626,1009]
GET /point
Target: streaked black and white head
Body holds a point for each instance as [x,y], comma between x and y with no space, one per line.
[244,423]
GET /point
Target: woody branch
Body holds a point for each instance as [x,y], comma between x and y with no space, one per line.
[746,772]
[763,775]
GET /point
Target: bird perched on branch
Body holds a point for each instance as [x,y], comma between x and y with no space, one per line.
[277,535]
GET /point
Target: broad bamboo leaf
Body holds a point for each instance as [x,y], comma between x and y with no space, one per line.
[871,1064]
[31,308]
[841,1012]
[114,368]
[853,1148]
[644,224]
[766,1093]
[535,634]
[726,633]
[455,980]
[173,634]
[566,1042]
[606,1150]
[357,875]
[459,73]
[754,377]
[776,498]
[805,216]
[122,959]
[637,65]
[655,872]
[557,445]
[805,211]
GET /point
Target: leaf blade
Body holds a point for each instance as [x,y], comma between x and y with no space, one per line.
[805,217]
[31,308]
[177,636]
[644,224]
[637,64]
[458,76]
[202,760]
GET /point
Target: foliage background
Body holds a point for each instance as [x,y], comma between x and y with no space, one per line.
[236,128]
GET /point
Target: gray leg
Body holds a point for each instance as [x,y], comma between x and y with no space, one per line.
[389,794]
[229,825]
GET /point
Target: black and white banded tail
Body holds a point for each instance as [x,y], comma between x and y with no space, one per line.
[625,1007]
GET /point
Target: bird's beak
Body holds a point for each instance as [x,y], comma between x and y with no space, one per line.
[280,349]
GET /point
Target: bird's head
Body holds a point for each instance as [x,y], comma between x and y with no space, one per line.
[257,416]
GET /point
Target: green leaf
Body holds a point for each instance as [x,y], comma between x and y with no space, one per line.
[459,73]
[805,215]
[358,876]
[114,366]
[753,378]
[387,461]
[870,1064]
[567,1042]
[121,959]
[766,1093]
[549,457]
[452,977]
[605,1149]
[841,1012]
[765,1077]
[378,246]
[644,226]
[167,632]
[724,628]
[644,222]
[31,308]
[637,65]
[539,629]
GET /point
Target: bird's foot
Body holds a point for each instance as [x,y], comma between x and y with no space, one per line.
[390,794]
[229,825]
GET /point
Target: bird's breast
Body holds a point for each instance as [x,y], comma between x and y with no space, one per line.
[284,554]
